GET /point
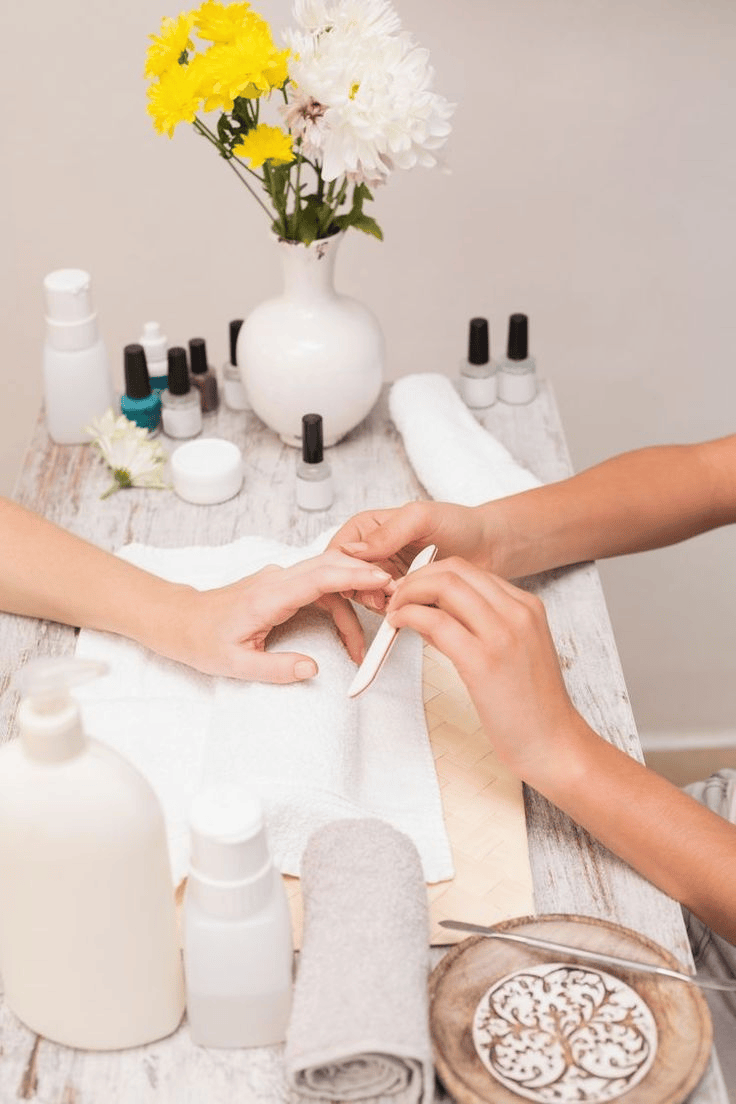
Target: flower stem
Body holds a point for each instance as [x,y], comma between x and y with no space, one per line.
[206,133]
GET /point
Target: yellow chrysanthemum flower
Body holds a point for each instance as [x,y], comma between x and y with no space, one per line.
[248,66]
[265,143]
[221,22]
[175,98]
[167,47]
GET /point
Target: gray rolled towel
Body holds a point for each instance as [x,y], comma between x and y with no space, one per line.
[359,1026]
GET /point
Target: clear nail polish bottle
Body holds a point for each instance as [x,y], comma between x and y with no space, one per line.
[181,413]
[478,373]
[202,376]
[517,373]
[314,490]
[233,388]
[139,403]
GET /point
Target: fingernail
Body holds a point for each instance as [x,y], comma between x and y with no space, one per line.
[354,546]
[379,574]
[305,669]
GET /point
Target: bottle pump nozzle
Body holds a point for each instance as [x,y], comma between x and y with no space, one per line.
[48,717]
[45,683]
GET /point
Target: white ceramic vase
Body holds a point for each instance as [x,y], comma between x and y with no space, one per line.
[311,350]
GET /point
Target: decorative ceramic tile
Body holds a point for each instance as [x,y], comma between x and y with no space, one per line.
[560,1033]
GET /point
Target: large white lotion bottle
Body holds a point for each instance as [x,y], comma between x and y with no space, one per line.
[238,947]
[89,947]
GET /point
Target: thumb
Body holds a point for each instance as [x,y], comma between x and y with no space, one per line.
[274,667]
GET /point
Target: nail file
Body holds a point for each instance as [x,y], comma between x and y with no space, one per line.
[382,642]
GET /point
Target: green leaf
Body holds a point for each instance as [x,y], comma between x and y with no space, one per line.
[369,226]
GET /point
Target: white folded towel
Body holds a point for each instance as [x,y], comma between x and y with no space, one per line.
[312,754]
[455,458]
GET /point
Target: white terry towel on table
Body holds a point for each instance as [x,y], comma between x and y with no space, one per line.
[454,457]
[312,754]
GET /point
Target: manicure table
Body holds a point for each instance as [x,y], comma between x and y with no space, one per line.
[570,872]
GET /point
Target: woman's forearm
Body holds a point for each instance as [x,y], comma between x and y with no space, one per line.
[636,501]
[663,833]
[47,572]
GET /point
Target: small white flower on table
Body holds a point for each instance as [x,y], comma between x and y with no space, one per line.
[134,459]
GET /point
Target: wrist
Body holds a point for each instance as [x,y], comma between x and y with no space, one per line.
[504,541]
[162,620]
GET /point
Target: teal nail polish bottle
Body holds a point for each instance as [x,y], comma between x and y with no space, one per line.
[139,403]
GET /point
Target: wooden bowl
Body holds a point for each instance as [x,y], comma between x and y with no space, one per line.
[467,972]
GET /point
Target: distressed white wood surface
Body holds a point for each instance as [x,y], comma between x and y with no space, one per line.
[571,872]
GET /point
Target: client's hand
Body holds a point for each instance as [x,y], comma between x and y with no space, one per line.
[225,631]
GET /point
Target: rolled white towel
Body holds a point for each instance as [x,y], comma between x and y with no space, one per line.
[454,458]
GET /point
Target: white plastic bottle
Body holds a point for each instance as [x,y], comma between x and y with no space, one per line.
[89,945]
[76,369]
[238,945]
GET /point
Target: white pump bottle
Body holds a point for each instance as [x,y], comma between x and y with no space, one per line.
[89,948]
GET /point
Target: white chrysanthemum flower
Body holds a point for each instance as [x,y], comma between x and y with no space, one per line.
[134,459]
[377,111]
[360,17]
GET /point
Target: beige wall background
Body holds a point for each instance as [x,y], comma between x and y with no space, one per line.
[591,183]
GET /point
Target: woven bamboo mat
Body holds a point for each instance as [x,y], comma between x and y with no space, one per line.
[484,815]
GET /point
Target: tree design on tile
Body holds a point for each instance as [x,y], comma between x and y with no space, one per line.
[557,1033]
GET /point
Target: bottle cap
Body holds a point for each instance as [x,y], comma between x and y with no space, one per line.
[178,371]
[518,344]
[198,355]
[228,836]
[137,383]
[234,331]
[312,449]
[71,322]
[68,295]
[478,341]
[153,342]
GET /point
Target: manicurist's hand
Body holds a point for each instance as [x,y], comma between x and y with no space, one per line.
[498,638]
[225,631]
[392,538]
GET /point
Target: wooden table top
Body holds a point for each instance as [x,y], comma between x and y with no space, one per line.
[571,872]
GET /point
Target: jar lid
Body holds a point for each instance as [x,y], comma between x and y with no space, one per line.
[207,471]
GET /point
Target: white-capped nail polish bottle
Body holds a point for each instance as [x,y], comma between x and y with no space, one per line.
[154,346]
[314,490]
[517,372]
[478,373]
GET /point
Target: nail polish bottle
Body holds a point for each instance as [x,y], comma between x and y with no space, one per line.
[181,413]
[478,373]
[233,387]
[314,489]
[154,346]
[203,378]
[139,403]
[517,372]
